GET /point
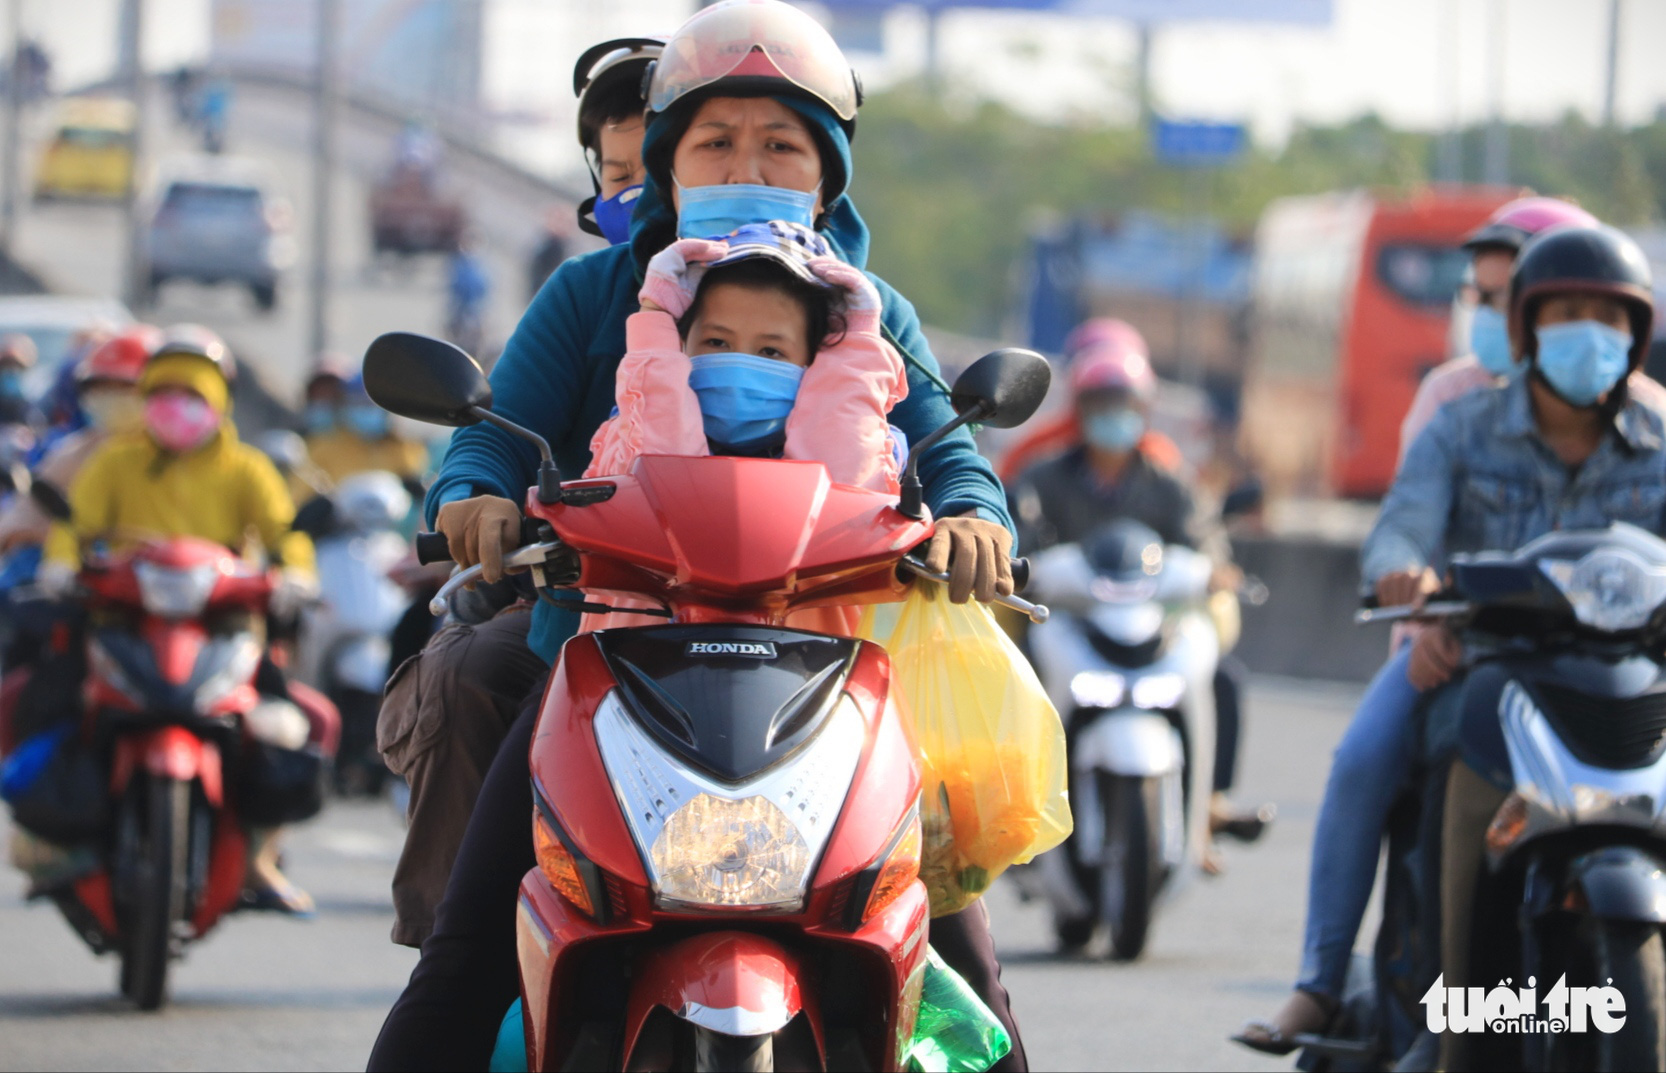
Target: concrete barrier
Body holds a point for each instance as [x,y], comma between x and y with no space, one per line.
[1306,628]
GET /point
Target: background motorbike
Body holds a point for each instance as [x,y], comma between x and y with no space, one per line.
[1128,659]
[1564,642]
[172,657]
[726,810]
[344,645]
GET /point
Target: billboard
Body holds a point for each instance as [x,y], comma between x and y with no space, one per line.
[420,52]
[1294,12]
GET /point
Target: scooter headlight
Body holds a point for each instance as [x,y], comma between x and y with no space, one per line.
[170,593]
[717,851]
[1158,691]
[1610,589]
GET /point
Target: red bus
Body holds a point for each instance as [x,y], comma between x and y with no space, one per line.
[1351,296]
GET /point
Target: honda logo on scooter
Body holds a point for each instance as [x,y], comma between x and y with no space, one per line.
[754,649]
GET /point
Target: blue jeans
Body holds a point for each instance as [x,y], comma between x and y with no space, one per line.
[1370,766]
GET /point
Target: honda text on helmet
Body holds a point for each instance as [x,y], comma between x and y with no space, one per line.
[1502,235]
[608,83]
[751,48]
[1586,352]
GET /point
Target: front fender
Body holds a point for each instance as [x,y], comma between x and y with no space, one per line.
[169,752]
[1621,883]
[1128,742]
[732,982]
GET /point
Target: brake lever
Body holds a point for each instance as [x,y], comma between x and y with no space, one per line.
[531,555]
[1412,612]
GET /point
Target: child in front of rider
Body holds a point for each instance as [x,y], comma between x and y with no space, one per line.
[760,345]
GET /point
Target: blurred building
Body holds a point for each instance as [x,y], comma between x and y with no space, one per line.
[425,55]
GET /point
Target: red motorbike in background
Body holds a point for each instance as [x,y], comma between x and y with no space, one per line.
[173,646]
[726,810]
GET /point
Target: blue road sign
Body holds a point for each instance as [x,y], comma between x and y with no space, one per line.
[1198,144]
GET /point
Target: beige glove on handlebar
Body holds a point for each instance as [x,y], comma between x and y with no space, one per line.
[976,555]
[480,530]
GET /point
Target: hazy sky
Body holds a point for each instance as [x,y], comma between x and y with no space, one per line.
[1418,62]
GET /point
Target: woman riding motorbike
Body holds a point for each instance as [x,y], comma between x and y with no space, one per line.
[733,138]
[189,475]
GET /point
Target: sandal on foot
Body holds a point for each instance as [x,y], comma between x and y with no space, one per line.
[281,896]
[1303,1014]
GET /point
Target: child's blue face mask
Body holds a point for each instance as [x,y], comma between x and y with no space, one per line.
[715,211]
[744,399]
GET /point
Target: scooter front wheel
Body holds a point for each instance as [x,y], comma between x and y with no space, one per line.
[716,1052]
[1131,863]
[1632,956]
[158,889]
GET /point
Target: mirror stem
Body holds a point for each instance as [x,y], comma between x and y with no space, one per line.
[911,503]
[549,477]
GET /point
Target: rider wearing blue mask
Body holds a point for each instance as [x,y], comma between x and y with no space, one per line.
[608,82]
[1481,341]
[1566,443]
[1117,471]
[17,357]
[749,94]
[348,434]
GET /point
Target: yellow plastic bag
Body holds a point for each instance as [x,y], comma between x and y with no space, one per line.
[992,748]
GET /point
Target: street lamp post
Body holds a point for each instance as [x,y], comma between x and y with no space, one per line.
[326,92]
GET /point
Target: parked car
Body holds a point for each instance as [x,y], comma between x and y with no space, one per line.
[219,223]
[53,321]
[91,152]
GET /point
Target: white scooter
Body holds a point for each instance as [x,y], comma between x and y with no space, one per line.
[1128,658]
[344,642]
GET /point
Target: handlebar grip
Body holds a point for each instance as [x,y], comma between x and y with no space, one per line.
[1020,575]
[432,548]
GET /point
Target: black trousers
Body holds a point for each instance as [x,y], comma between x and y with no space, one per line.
[448,1016]
[1230,676]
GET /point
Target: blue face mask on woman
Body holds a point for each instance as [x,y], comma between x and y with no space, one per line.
[613,214]
[366,421]
[714,211]
[11,384]
[744,399]
[1582,359]
[1114,430]
[1489,341]
[318,417]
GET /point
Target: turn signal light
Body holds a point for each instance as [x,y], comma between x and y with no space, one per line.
[1508,824]
[556,861]
[901,867]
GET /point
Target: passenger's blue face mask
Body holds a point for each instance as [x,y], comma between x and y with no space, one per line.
[613,214]
[1114,430]
[366,422]
[1583,360]
[11,383]
[1489,341]
[743,398]
[714,211]
[318,417]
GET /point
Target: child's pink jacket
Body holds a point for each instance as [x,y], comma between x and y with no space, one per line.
[838,419]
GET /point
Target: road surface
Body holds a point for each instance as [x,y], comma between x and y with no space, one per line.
[267,993]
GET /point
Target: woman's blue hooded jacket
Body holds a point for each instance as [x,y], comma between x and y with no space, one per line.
[556,374]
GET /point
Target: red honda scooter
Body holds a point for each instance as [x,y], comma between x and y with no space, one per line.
[726,810]
[173,651]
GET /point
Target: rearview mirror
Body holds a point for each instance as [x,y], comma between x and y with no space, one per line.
[425,379]
[1003,388]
